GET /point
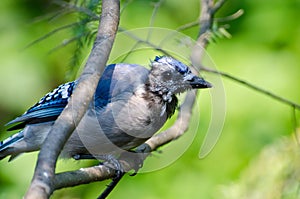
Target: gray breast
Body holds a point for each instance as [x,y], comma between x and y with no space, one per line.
[126,122]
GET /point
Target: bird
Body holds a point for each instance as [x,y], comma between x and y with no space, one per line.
[130,104]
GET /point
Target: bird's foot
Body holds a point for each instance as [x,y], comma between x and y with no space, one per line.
[111,161]
[135,158]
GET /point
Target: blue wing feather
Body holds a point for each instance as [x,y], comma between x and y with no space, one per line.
[48,108]
[103,90]
[116,79]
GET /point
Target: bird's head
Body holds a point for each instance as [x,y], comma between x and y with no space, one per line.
[169,76]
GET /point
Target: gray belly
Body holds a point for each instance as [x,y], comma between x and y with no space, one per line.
[114,129]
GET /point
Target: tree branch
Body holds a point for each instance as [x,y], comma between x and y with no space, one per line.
[208,9]
[45,181]
[42,184]
[101,172]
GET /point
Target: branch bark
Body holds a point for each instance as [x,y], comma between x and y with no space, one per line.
[42,184]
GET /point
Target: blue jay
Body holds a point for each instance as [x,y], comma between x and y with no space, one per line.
[130,104]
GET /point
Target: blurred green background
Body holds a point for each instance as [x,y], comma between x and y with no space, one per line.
[264,49]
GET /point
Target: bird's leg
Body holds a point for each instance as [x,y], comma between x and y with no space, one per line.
[136,157]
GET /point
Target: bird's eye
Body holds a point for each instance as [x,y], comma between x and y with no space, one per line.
[167,75]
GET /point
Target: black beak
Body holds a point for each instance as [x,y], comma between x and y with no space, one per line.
[198,82]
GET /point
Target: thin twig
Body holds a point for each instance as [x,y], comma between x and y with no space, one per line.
[51,16]
[188,25]
[154,13]
[254,87]
[125,4]
[155,47]
[51,33]
[66,42]
[77,9]
[111,186]
[131,50]
[218,5]
[231,17]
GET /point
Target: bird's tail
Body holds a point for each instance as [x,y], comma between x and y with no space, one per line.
[7,143]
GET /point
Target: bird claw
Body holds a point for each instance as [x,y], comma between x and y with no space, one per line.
[112,162]
[136,157]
